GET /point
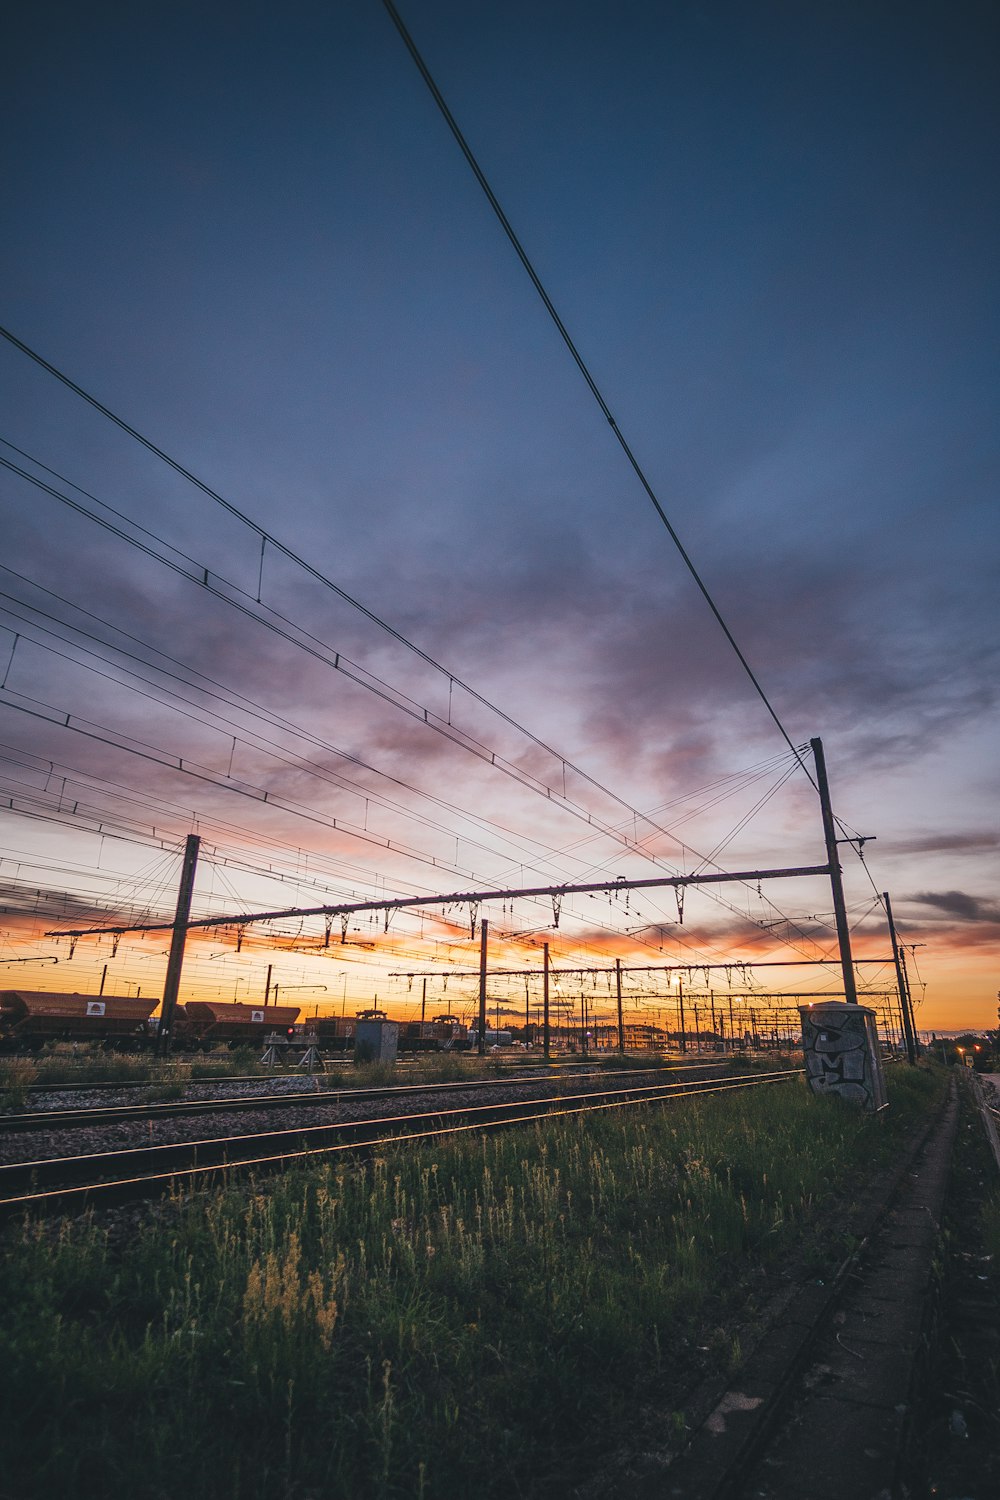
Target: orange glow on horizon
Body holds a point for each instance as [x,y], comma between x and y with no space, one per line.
[959,978]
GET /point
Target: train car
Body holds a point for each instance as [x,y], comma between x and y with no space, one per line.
[494,1039]
[442,1033]
[201,1025]
[30,1018]
[329,1033]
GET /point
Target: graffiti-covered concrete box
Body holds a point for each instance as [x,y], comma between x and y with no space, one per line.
[840,1047]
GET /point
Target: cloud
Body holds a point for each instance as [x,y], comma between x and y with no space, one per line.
[941,843]
[960,904]
[19,902]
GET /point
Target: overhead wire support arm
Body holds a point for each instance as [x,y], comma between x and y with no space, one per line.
[458,898]
[691,968]
[581,365]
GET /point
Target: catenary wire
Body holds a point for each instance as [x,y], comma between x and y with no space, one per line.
[531,782]
[581,365]
[303,640]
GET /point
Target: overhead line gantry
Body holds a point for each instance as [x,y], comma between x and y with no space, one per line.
[458,898]
[182,923]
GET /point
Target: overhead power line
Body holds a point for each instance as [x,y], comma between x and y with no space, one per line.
[581,365]
[177,671]
[204,578]
[68,807]
[288,630]
[268,539]
[208,687]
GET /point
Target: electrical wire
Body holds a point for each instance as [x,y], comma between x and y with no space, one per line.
[616,832]
[287,630]
[242,703]
[581,365]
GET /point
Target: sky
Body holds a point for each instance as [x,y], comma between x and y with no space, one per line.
[246,231]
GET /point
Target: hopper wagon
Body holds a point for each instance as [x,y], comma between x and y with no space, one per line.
[329,1033]
[30,1018]
[201,1025]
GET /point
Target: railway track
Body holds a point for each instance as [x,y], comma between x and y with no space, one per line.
[68,1184]
[67,1117]
[174,1073]
[333,1065]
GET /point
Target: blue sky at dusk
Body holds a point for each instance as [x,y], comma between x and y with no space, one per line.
[772,233]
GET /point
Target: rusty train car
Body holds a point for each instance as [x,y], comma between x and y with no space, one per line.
[328,1033]
[202,1025]
[29,1019]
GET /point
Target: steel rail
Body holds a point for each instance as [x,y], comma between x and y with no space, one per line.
[335,1061]
[83,1085]
[112,1114]
[176,1152]
[65,1183]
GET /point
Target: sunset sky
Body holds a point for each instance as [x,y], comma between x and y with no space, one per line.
[771,231]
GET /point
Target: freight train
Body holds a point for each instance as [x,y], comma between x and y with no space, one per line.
[124,1023]
[30,1019]
[442,1033]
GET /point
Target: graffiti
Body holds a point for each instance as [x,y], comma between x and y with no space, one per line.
[840,1047]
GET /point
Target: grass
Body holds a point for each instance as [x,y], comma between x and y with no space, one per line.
[91,1064]
[17,1074]
[481,1317]
[991,1225]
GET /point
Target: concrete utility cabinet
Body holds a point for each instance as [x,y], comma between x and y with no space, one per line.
[841,1051]
[376,1041]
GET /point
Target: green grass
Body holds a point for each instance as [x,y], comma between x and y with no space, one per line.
[482,1317]
[91,1064]
[17,1074]
[991,1224]
[88,1064]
